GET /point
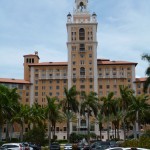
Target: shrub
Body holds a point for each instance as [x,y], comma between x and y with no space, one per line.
[36,135]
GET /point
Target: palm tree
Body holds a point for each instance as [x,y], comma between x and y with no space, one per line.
[147,72]
[126,95]
[8,102]
[138,109]
[89,104]
[22,116]
[100,119]
[52,113]
[116,115]
[70,103]
[107,108]
[37,115]
[13,98]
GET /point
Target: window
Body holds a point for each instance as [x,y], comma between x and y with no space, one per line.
[90,48]
[90,55]
[82,62]
[27,93]
[50,94]
[73,48]
[82,71]
[81,34]
[50,87]
[82,86]
[100,86]
[36,93]
[91,86]
[36,81]
[107,86]
[20,86]
[57,128]
[65,128]
[82,47]
[73,62]
[82,55]
[57,93]
[57,87]
[36,87]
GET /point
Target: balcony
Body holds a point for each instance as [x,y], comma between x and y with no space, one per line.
[82,76]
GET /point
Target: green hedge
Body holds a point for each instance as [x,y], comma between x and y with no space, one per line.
[143,142]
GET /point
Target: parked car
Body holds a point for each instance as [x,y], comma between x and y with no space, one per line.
[34,146]
[81,146]
[68,146]
[122,148]
[100,145]
[13,146]
[55,146]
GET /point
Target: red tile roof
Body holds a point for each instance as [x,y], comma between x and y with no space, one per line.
[50,64]
[13,81]
[140,79]
[108,62]
[31,55]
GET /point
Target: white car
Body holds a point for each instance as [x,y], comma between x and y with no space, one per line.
[122,148]
[13,146]
[68,146]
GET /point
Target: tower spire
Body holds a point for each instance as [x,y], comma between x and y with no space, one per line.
[81,5]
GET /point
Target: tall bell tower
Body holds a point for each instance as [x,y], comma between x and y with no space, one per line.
[82,48]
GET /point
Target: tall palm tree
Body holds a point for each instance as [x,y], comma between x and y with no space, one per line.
[126,95]
[138,109]
[89,104]
[147,72]
[22,116]
[70,103]
[13,98]
[37,115]
[52,113]
[8,102]
[100,119]
[107,108]
[116,115]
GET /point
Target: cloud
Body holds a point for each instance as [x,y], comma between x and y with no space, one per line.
[29,25]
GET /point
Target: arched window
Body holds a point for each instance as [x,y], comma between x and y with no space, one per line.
[81,34]
[82,71]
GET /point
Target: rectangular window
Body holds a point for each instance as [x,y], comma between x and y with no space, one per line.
[36,93]
[57,87]
[36,87]
[82,86]
[20,86]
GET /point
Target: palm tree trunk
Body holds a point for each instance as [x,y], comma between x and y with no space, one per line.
[49,133]
[108,128]
[134,130]
[88,127]
[1,128]
[100,131]
[11,131]
[68,130]
[21,133]
[7,130]
[137,124]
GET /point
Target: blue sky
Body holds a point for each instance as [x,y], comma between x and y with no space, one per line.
[40,25]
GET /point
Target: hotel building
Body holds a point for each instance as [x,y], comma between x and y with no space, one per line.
[83,70]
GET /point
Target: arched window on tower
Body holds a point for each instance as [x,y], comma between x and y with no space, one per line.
[81,34]
[82,71]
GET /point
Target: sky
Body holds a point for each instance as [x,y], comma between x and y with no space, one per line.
[27,26]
